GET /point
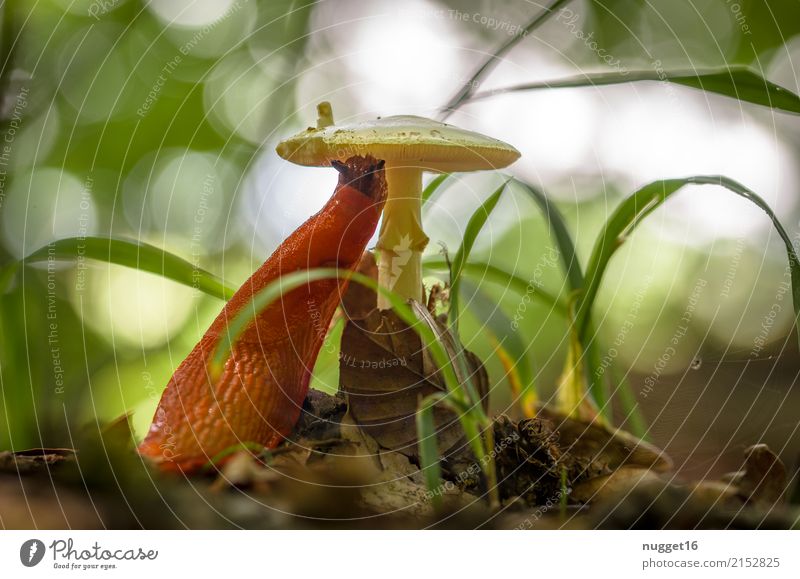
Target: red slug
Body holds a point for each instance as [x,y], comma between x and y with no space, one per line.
[260,391]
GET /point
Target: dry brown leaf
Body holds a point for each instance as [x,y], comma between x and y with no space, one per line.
[385,372]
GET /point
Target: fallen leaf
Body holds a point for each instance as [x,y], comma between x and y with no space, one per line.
[385,372]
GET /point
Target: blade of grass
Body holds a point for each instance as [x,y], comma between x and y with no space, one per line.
[559,232]
[428,447]
[511,348]
[571,396]
[575,279]
[474,226]
[471,232]
[474,404]
[453,348]
[736,82]
[643,202]
[458,359]
[598,388]
[485,271]
[431,187]
[136,255]
[469,87]
[481,445]
[325,375]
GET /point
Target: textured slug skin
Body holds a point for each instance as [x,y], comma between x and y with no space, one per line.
[260,392]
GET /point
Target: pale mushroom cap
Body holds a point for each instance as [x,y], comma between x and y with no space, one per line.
[402,141]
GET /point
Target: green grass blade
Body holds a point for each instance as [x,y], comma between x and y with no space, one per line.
[431,187]
[597,386]
[736,82]
[137,255]
[472,432]
[575,279]
[428,448]
[468,87]
[509,343]
[560,234]
[487,272]
[643,202]
[474,226]
[453,349]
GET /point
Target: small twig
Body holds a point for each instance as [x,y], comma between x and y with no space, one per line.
[468,88]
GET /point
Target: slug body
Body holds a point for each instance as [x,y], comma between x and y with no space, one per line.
[259,394]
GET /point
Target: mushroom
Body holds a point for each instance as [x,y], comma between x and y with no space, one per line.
[409,145]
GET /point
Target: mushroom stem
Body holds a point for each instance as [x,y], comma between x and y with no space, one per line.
[401,240]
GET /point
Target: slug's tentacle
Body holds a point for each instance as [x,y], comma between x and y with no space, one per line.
[259,394]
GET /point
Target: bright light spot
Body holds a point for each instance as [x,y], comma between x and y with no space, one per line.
[402,58]
[246,97]
[658,137]
[46,205]
[190,13]
[92,74]
[34,141]
[279,196]
[553,129]
[134,308]
[185,196]
[322,82]
[220,35]
[446,215]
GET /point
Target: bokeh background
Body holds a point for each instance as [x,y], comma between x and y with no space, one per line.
[157,121]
